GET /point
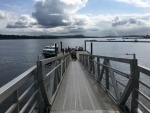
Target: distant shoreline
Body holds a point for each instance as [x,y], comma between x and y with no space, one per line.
[19,37]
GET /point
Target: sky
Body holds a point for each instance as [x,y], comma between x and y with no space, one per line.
[75,17]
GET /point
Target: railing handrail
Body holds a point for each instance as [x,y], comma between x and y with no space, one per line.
[115,70]
[123,60]
[13,85]
[144,70]
[58,62]
[132,86]
[45,61]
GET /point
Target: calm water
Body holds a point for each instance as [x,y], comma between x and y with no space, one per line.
[16,56]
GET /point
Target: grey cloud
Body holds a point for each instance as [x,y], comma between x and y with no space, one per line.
[54,13]
[24,21]
[78,29]
[46,13]
[118,22]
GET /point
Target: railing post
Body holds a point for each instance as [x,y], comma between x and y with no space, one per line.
[63,64]
[85,45]
[61,68]
[55,77]
[42,86]
[16,97]
[89,63]
[90,58]
[98,67]
[107,77]
[59,71]
[91,48]
[83,60]
[61,46]
[93,66]
[135,77]
[80,57]
[38,107]
[86,61]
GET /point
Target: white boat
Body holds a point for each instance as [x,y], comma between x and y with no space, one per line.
[50,51]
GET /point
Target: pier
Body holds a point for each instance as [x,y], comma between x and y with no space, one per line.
[87,85]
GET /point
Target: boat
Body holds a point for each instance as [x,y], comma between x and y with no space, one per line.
[50,51]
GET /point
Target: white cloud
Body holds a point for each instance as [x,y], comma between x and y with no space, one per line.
[3,15]
[138,3]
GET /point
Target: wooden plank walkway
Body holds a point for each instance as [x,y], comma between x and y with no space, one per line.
[80,93]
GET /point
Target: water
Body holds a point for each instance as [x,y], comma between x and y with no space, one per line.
[16,56]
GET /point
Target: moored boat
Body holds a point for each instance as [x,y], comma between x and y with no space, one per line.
[50,51]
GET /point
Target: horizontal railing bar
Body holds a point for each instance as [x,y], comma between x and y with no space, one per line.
[124,60]
[121,83]
[144,84]
[117,71]
[26,92]
[45,61]
[28,102]
[143,106]
[122,73]
[10,87]
[33,107]
[48,74]
[145,96]
[144,70]
[11,108]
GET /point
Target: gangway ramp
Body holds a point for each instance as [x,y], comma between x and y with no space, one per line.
[81,93]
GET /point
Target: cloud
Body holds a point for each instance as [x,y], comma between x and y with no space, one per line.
[24,21]
[138,3]
[142,20]
[3,15]
[55,13]
[61,17]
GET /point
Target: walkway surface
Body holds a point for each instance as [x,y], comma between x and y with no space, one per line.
[80,93]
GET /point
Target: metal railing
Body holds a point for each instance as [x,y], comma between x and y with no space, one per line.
[106,74]
[43,86]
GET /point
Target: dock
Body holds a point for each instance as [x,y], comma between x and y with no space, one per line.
[79,92]
[87,85]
